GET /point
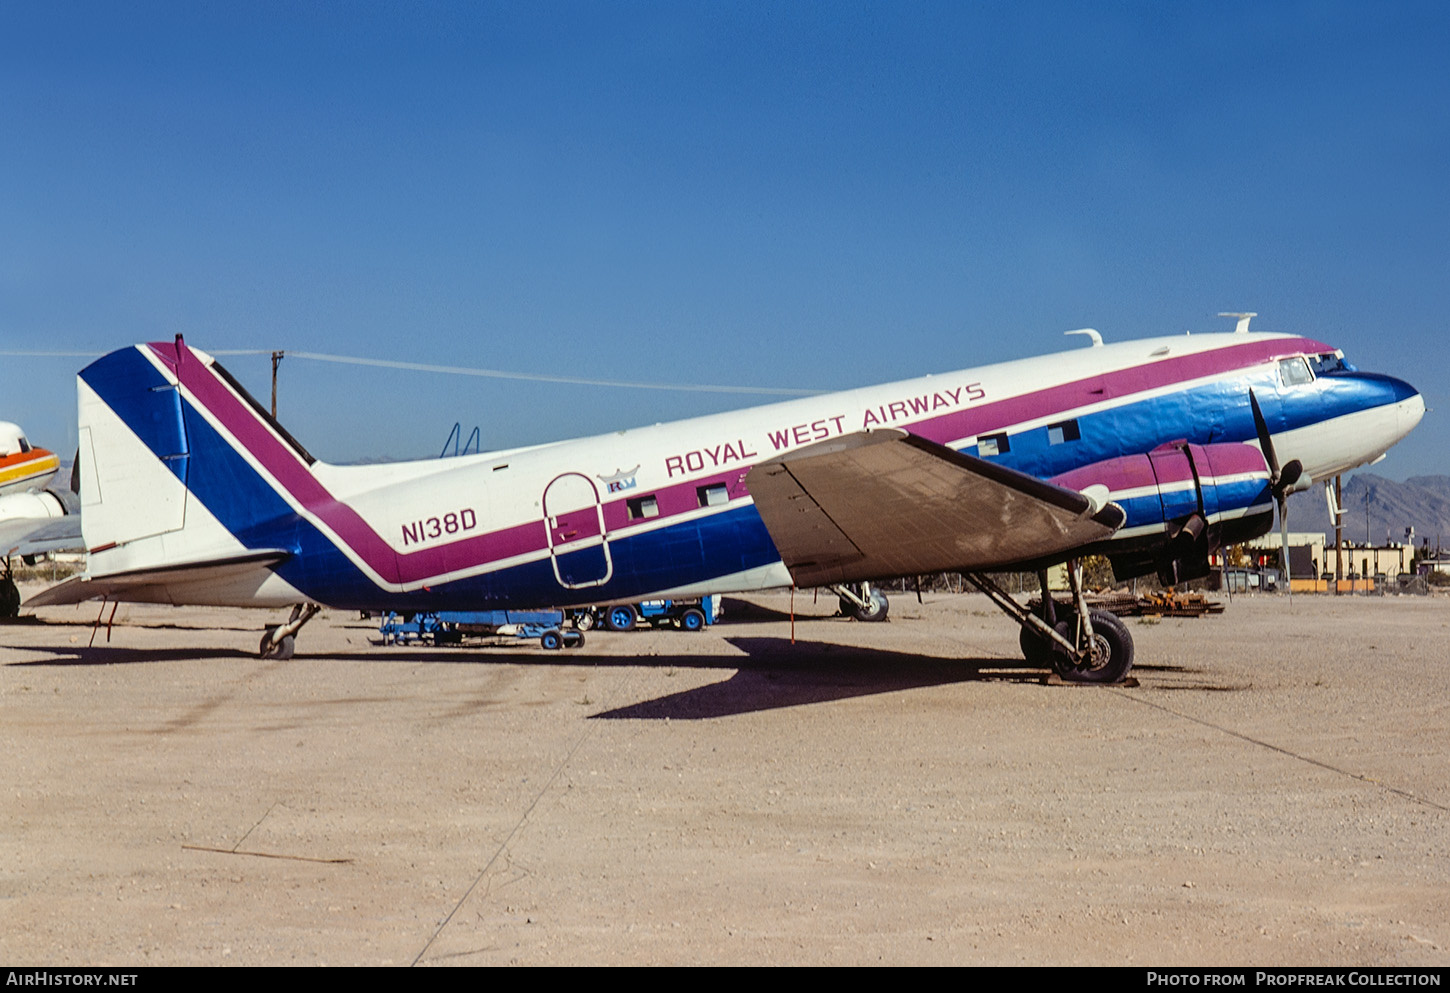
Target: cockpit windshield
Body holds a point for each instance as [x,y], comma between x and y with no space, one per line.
[1329,363]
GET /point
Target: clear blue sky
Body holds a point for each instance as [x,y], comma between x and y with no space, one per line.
[817,195]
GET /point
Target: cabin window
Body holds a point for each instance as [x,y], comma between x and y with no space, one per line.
[993,444]
[1059,433]
[714,495]
[642,507]
[1295,372]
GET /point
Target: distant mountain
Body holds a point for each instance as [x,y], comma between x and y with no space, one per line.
[1422,502]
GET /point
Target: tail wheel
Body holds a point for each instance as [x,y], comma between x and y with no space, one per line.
[281,649]
[875,609]
[584,620]
[1111,656]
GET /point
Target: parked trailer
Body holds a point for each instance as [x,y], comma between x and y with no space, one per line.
[450,627]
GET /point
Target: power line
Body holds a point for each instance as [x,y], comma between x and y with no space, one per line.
[466,371]
[546,378]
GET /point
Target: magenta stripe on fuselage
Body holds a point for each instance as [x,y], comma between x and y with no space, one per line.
[999,415]
[392,566]
[290,471]
[284,465]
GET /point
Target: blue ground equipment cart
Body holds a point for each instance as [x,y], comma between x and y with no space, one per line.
[687,615]
[451,627]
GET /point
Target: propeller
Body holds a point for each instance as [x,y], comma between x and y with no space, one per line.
[1281,480]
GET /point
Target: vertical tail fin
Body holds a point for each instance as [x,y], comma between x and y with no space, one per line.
[160,482]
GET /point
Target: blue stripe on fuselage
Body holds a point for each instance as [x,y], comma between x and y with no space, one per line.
[247,506]
[694,551]
[1210,413]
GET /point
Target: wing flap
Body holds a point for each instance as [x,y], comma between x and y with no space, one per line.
[886,503]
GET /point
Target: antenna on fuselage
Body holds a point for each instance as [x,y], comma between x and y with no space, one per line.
[1242,327]
[1091,333]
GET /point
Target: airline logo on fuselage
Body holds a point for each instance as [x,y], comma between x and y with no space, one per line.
[620,481]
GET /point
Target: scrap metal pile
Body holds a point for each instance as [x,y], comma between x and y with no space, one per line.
[1164,603]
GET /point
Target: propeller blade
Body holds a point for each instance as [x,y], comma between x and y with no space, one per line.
[1281,480]
[1283,500]
[1266,443]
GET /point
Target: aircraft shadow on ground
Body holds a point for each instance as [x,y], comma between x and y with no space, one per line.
[775,674]
[81,655]
[770,674]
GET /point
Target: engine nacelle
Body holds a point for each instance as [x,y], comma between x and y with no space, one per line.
[43,504]
[1183,502]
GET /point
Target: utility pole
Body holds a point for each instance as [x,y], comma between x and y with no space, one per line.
[1338,534]
[276,360]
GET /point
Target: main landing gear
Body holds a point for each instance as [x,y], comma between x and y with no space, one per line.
[280,641]
[1081,645]
[860,601]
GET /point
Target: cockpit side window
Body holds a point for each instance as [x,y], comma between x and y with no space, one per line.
[1295,371]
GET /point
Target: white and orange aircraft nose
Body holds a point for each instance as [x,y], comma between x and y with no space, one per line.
[23,467]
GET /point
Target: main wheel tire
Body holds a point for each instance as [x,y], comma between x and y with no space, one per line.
[692,619]
[9,599]
[551,641]
[281,650]
[1113,650]
[875,610]
[620,617]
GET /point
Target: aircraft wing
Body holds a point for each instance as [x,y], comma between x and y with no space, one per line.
[153,585]
[33,535]
[880,504]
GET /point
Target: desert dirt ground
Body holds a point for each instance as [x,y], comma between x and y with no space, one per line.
[1274,791]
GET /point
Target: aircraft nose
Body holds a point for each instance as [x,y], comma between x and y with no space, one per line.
[1373,389]
[1410,410]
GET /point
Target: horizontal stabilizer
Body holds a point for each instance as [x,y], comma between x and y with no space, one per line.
[885,503]
[152,585]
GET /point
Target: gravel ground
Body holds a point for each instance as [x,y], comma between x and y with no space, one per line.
[1275,791]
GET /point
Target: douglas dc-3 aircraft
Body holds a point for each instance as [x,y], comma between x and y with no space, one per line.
[1151,452]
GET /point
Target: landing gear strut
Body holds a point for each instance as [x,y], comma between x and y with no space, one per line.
[860,601]
[279,642]
[1081,645]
